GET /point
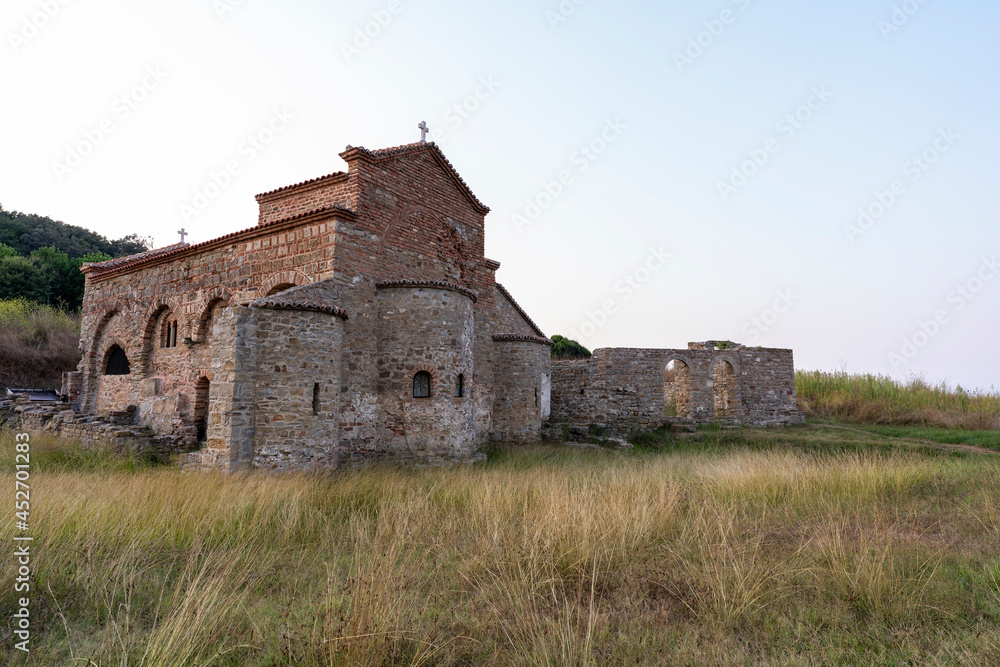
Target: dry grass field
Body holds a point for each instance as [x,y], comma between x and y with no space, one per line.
[812,545]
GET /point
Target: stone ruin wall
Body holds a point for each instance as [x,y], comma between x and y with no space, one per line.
[624,389]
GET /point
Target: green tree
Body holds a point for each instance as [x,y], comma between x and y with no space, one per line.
[7,251]
[22,278]
[63,276]
[564,348]
[25,233]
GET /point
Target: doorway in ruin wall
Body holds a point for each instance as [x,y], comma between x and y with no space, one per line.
[725,390]
[677,389]
[201,408]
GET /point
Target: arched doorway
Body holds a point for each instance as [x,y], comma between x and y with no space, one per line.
[201,408]
[725,390]
[677,389]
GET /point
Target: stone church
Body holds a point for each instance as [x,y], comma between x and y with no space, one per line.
[359,319]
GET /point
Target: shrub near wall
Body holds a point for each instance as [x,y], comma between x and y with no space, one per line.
[37,344]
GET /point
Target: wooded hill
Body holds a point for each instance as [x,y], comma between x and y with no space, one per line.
[40,258]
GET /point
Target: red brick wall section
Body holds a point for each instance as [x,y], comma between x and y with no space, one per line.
[309,196]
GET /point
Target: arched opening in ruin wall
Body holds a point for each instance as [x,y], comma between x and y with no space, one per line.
[677,388]
[725,390]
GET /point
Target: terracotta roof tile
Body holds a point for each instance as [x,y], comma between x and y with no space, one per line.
[139,256]
[311,181]
[521,338]
[434,284]
[431,147]
[278,303]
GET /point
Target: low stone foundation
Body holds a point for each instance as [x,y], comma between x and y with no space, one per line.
[115,432]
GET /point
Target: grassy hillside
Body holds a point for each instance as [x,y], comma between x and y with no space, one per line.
[880,400]
[777,547]
[37,344]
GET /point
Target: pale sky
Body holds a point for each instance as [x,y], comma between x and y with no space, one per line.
[714,157]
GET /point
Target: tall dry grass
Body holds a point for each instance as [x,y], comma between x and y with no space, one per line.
[37,344]
[540,558]
[878,399]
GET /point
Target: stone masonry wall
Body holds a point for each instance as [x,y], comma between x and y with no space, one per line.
[127,309]
[297,389]
[523,376]
[274,402]
[425,329]
[415,222]
[115,432]
[624,388]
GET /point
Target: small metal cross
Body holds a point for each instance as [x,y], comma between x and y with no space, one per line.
[183,233]
[423,131]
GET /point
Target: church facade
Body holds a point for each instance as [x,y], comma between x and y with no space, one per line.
[359,319]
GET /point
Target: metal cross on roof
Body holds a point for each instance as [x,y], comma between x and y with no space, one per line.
[423,131]
[183,233]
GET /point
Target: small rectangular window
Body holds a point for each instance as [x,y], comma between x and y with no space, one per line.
[315,399]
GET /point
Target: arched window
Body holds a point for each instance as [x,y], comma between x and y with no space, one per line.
[168,332]
[459,386]
[422,385]
[117,362]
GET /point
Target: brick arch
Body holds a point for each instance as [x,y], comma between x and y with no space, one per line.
[217,298]
[153,312]
[293,277]
[147,338]
[678,357]
[106,353]
[102,324]
[435,380]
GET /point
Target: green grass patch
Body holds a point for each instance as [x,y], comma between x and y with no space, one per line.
[806,545]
